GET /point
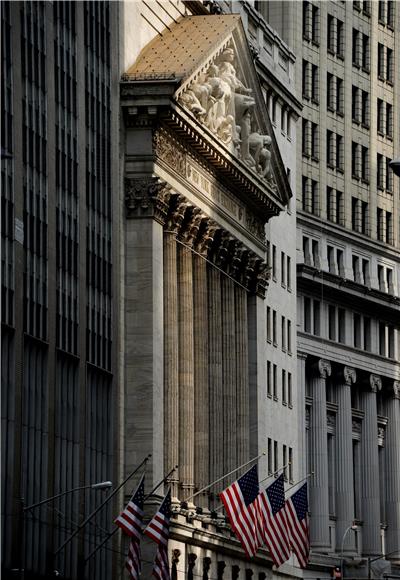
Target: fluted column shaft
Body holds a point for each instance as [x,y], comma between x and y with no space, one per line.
[319,499]
[242,376]
[344,461]
[301,406]
[201,394]
[370,505]
[228,374]
[393,473]
[171,360]
[186,369]
[215,373]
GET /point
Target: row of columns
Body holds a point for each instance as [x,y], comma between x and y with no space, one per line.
[206,373]
[344,480]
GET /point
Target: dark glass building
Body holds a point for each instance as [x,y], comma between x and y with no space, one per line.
[59,272]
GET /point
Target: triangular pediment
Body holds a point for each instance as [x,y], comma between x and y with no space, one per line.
[218,92]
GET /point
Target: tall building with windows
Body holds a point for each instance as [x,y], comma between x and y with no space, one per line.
[348,271]
[60,223]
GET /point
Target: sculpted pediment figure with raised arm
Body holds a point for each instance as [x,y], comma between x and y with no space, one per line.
[221,101]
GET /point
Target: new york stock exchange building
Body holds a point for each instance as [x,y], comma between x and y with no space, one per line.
[203,175]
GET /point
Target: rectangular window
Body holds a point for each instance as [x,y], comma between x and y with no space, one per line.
[364,164]
[365,114]
[269,333]
[364,218]
[314,141]
[340,39]
[389,176]
[284,462]
[275,382]
[331,40]
[356,330]
[389,65]
[276,458]
[390,13]
[379,224]
[339,96]
[365,53]
[315,24]
[289,336]
[288,273]
[274,262]
[389,228]
[381,118]
[290,465]
[283,269]
[356,104]
[381,61]
[314,84]
[274,330]
[307,314]
[290,390]
[306,79]
[269,379]
[316,318]
[330,148]
[356,48]
[342,325]
[367,334]
[269,456]
[283,333]
[330,205]
[284,392]
[381,11]
[339,152]
[389,120]
[379,171]
[331,322]
[330,92]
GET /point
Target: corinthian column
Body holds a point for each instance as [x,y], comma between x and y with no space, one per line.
[201,391]
[171,350]
[242,376]
[370,505]
[215,372]
[393,472]
[228,370]
[344,460]
[186,354]
[319,499]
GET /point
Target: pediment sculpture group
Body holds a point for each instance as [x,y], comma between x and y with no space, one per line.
[220,101]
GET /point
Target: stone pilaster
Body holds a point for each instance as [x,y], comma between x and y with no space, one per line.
[201,390]
[344,460]
[171,345]
[392,464]
[370,507]
[319,500]
[186,351]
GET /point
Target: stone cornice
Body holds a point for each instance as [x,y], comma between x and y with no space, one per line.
[348,292]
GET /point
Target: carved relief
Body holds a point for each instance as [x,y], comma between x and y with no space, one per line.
[324,368]
[350,375]
[381,434]
[396,389]
[147,197]
[206,567]
[222,102]
[356,427]
[375,383]
[166,149]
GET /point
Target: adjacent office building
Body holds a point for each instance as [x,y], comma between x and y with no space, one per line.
[348,269]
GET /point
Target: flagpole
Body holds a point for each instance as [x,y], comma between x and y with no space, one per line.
[94,512]
[224,476]
[300,480]
[92,553]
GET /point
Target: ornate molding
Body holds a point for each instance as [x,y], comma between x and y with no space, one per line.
[375,383]
[176,214]
[396,389]
[350,375]
[167,149]
[147,197]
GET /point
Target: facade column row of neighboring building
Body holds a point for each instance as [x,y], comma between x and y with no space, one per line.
[344,379]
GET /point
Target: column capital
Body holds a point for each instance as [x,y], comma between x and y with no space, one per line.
[396,389]
[147,196]
[375,383]
[190,226]
[323,368]
[205,236]
[350,375]
[176,214]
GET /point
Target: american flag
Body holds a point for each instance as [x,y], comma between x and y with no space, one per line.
[239,500]
[158,530]
[298,525]
[130,521]
[272,518]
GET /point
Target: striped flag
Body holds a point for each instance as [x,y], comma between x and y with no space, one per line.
[272,518]
[158,530]
[298,524]
[240,504]
[130,521]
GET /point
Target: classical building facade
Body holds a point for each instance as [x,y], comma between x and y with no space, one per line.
[348,271]
[209,295]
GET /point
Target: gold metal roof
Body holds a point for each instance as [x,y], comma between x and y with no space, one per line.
[183,46]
